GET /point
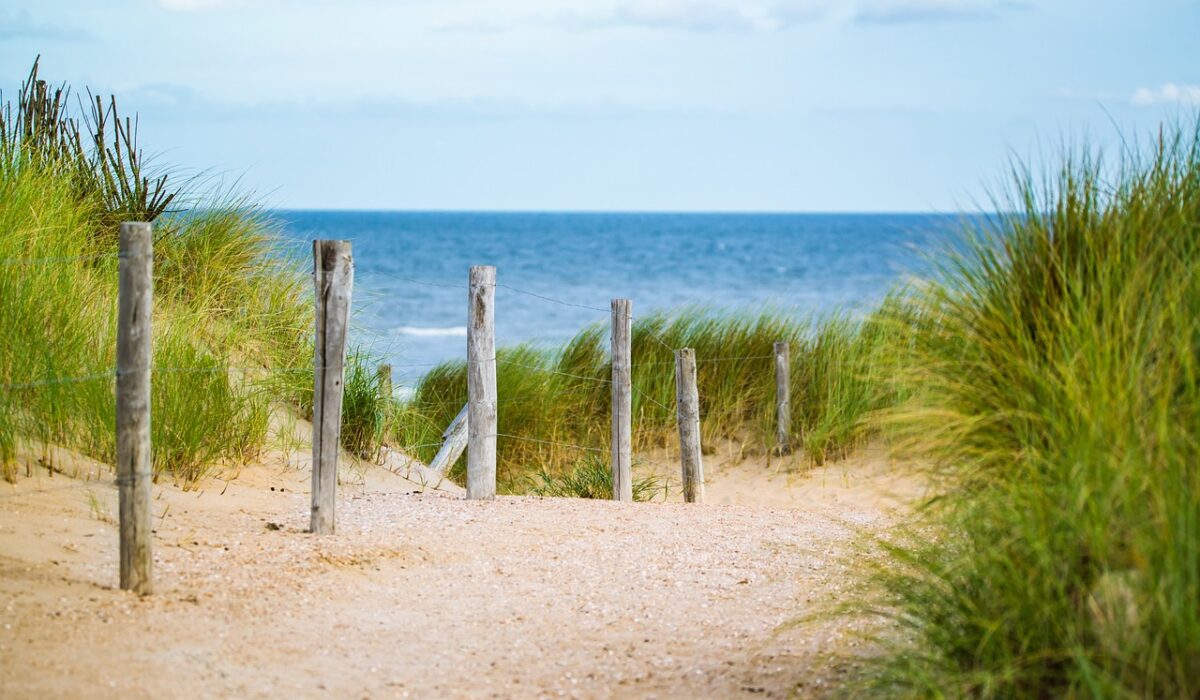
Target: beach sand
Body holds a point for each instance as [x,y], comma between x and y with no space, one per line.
[423,594]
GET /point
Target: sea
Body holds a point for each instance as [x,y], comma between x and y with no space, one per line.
[557,272]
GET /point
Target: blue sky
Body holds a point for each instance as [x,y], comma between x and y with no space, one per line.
[743,105]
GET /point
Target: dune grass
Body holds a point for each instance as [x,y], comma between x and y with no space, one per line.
[59,313]
[233,312]
[552,403]
[226,313]
[1054,376]
[591,477]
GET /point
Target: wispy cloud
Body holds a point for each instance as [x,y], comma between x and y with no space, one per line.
[671,15]
[191,5]
[914,11]
[1169,93]
[696,15]
[19,25]
[169,101]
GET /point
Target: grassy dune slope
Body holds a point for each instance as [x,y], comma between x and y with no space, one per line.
[226,313]
[1055,373]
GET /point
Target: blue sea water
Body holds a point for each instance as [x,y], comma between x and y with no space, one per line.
[411,268]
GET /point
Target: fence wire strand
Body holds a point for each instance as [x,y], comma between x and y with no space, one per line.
[420,446]
[705,360]
[59,259]
[554,371]
[443,285]
[57,380]
[546,442]
[659,340]
[552,300]
[647,397]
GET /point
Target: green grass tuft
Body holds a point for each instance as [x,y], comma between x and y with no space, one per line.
[591,477]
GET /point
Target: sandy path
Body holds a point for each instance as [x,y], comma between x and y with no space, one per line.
[427,595]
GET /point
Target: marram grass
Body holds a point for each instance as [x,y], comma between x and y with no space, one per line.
[1054,376]
[554,404]
[58,310]
[591,477]
[225,313]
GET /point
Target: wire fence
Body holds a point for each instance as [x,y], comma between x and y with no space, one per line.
[159,263]
[552,300]
[205,369]
[535,295]
[267,372]
[570,375]
[56,380]
[134,378]
[547,442]
[60,259]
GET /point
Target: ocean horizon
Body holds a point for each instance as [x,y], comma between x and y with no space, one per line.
[558,271]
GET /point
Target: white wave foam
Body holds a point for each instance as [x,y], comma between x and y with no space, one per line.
[424,332]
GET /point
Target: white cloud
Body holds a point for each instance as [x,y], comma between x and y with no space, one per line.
[1169,93]
[191,5]
[696,15]
[704,15]
[907,11]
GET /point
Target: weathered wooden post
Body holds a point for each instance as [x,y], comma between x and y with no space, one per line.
[481,383]
[783,398]
[333,279]
[622,401]
[135,292]
[687,402]
[385,381]
[454,441]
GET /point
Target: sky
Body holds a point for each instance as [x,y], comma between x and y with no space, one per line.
[626,105]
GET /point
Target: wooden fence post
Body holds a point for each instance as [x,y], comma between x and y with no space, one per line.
[783,398]
[687,402]
[333,279]
[481,384]
[385,381]
[622,401]
[134,307]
